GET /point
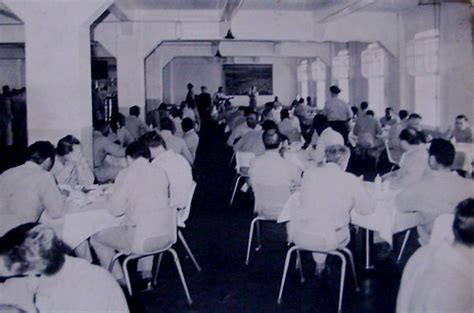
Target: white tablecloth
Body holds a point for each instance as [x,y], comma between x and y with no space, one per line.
[386,219]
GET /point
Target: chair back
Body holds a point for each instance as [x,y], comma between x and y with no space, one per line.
[442,229]
[156,231]
[270,200]
[183,214]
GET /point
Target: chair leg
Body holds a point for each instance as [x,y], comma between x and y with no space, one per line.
[127,276]
[299,265]
[188,250]
[181,275]
[405,240]
[235,189]
[343,275]
[249,246]
[155,276]
[351,260]
[232,159]
[114,259]
[285,271]
[259,236]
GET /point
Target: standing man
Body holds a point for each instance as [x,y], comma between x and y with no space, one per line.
[204,104]
[338,113]
[190,94]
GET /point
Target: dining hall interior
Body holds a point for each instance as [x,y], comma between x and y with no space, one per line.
[282,155]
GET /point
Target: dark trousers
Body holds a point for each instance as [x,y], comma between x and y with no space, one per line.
[341,128]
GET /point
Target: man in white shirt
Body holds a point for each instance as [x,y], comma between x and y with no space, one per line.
[338,113]
[439,277]
[242,129]
[173,142]
[328,194]
[104,146]
[134,124]
[413,165]
[438,191]
[271,168]
[53,281]
[28,190]
[288,127]
[140,192]
[394,135]
[176,167]
[190,136]
[326,135]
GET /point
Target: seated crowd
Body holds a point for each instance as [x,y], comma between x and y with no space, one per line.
[295,148]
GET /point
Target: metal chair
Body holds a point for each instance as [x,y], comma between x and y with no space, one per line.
[269,201]
[390,156]
[183,216]
[161,243]
[339,253]
[242,160]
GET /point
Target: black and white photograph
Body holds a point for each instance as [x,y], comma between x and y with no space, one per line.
[236,156]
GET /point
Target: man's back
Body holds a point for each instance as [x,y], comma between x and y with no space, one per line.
[104,146]
[435,194]
[251,142]
[135,126]
[192,141]
[177,144]
[337,110]
[25,191]
[438,278]
[272,169]
[179,174]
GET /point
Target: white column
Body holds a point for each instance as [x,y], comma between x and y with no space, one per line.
[341,73]
[58,67]
[319,75]
[374,68]
[422,60]
[302,77]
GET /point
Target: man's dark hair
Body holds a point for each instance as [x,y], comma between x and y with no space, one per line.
[152,140]
[134,110]
[402,114]
[443,151]
[248,111]
[190,86]
[284,113]
[354,110]
[39,151]
[364,105]
[101,126]
[463,225]
[388,109]
[17,247]
[65,145]
[462,117]
[167,124]
[271,139]
[203,87]
[411,136]
[187,124]
[370,113]
[269,124]
[138,149]
[119,119]
[414,115]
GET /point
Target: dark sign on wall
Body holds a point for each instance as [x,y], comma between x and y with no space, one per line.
[239,78]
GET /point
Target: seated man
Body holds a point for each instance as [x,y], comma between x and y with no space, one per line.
[140,191]
[28,190]
[252,141]
[134,124]
[289,128]
[190,136]
[120,134]
[462,132]
[438,191]
[242,129]
[439,277]
[324,135]
[413,165]
[271,168]
[177,118]
[70,167]
[394,135]
[103,147]
[328,194]
[388,120]
[42,278]
[175,143]
[175,165]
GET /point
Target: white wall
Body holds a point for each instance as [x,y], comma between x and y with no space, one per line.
[208,71]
